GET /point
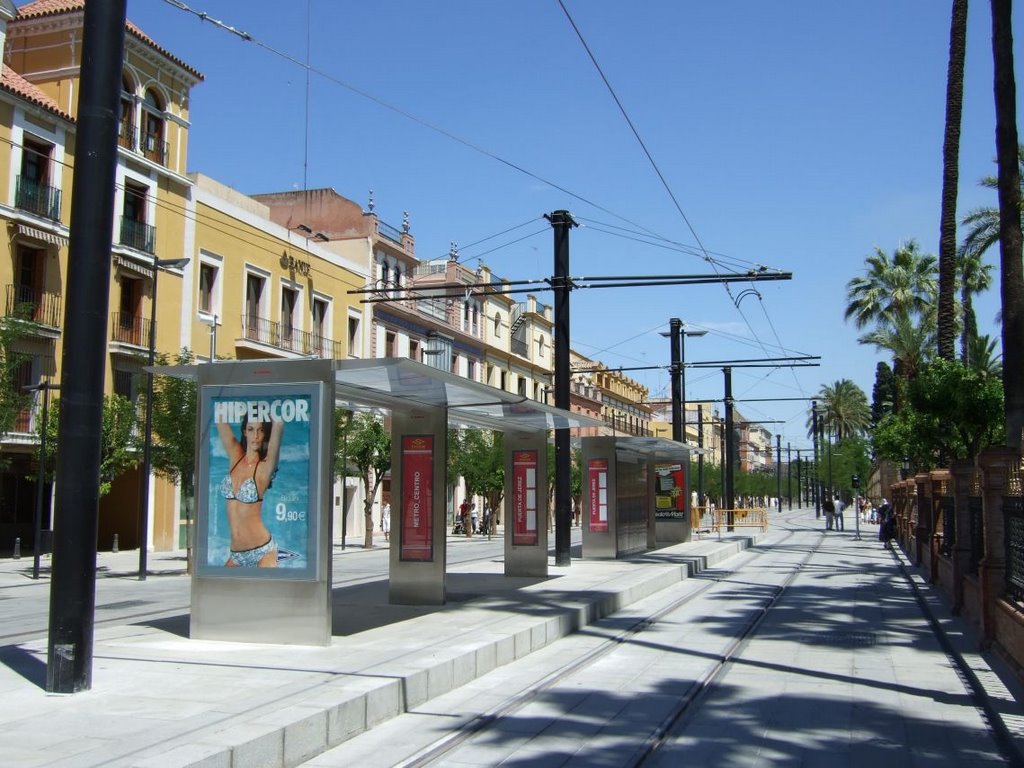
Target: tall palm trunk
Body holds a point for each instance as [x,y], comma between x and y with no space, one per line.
[950,178]
[1012,270]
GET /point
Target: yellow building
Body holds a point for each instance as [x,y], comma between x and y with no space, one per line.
[41,72]
[624,403]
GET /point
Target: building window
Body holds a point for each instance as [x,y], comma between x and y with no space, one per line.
[23,375]
[128,323]
[354,347]
[126,126]
[320,327]
[34,192]
[135,233]
[497,327]
[207,288]
[540,347]
[503,380]
[27,292]
[289,303]
[471,369]
[522,387]
[154,145]
[389,344]
[455,364]
[254,285]
[414,350]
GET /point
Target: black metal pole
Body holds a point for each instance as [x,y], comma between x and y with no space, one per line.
[675,326]
[76,516]
[814,430]
[45,388]
[561,223]
[700,456]
[778,472]
[344,483]
[799,482]
[789,475]
[729,448]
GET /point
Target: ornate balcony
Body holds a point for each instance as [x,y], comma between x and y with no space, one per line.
[40,199]
[138,235]
[33,305]
[154,148]
[289,338]
[126,328]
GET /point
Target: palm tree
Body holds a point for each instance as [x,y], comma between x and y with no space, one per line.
[974,277]
[843,410]
[950,175]
[1011,268]
[892,288]
[983,223]
[910,343]
[984,358]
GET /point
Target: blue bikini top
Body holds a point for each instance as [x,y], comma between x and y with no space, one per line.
[247,493]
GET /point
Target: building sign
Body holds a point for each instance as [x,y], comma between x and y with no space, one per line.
[417,542]
[670,492]
[524,497]
[597,472]
[259,450]
[292,264]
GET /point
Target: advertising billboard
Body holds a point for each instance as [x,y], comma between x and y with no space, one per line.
[259,453]
[670,492]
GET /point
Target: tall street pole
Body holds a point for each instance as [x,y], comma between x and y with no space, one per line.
[561,223]
[675,326]
[700,456]
[814,430]
[778,472]
[76,512]
[789,475]
[729,448]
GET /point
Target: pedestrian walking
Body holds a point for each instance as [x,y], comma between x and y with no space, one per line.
[830,513]
[385,520]
[473,518]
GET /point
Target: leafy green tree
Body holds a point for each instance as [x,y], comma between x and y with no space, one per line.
[480,461]
[883,394]
[173,452]
[952,413]
[909,340]
[119,447]
[839,462]
[369,450]
[13,400]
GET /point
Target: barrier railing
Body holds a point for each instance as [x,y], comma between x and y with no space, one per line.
[741,518]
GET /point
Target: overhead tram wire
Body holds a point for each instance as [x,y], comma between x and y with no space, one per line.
[654,165]
[202,16]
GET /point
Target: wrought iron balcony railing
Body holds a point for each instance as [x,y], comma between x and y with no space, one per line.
[154,148]
[40,199]
[126,135]
[289,338]
[127,328]
[391,233]
[33,305]
[138,235]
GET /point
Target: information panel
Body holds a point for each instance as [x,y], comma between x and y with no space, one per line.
[597,470]
[417,498]
[524,497]
[259,453]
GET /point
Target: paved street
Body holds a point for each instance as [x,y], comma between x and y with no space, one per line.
[794,647]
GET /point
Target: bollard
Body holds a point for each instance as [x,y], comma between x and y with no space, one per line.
[17,549]
[114,548]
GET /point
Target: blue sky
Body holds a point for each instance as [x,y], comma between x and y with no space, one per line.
[799,135]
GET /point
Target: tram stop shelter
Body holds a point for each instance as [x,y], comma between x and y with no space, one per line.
[295,400]
[636,493]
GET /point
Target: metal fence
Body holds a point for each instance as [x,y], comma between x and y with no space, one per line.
[976,528]
[948,512]
[1013,518]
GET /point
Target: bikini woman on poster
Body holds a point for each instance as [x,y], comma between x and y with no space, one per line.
[253,464]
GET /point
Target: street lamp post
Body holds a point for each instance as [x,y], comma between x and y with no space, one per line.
[37,526]
[147,446]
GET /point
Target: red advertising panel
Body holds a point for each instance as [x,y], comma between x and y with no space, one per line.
[524,497]
[417,497]
[597,471]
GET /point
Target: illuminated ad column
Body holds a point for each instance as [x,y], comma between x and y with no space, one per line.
[672,501]
[264,447]
[526,504]
[600,519]
[419,450]
[651,541]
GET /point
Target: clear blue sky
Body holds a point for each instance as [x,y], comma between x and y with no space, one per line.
[799,135]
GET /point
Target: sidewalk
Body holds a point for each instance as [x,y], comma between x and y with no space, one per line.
[159,699]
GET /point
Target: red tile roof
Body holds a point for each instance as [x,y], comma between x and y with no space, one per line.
[18,85]
[40,8]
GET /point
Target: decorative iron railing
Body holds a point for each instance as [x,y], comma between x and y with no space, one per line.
[138,235]
[33,305]
[40,199]
[391,233]
[1013,518]
[126,135]
[948,512]
[289,338]
[976,527]
[126,328]
[154,148]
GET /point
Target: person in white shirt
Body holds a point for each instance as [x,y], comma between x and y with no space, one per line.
[839,513]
